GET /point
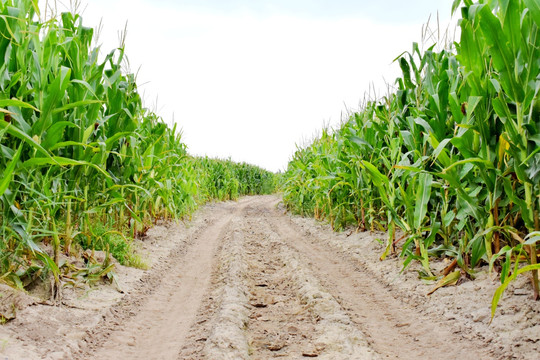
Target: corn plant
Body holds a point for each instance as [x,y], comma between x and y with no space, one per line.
[451,157]
[84,166]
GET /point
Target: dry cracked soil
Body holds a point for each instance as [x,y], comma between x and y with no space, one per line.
[246,280]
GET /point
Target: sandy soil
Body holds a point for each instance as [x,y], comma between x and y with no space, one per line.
[245,280]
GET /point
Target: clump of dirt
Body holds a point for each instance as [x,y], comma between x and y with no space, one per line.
[11,301]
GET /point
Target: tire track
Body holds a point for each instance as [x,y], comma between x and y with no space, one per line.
[267,304]
[156,329]
[395,329]
[227,339]
[330,333]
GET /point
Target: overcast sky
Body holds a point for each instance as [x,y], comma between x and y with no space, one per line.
[250,79]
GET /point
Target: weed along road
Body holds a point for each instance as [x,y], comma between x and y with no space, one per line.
[246,280]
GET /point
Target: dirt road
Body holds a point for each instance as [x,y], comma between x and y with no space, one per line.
[244,280]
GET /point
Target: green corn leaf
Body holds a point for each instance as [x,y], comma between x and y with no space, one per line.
[111,140]
[506,250]
[488,164]
[440,148]
[409,168]
[423,195]
[61,161]
[406,69]
[130,186]
[87,86]
[472,103]
[442,156]
[448,218]
[467,202]
[86,135]
[378,178]
[7,175]
[470,55]
[76,105]
[511,23]
[17,103]
[359,141]
[64,144]
[55,92]
[500,51]
[49,262]
[55,133]
[500,290]
[424,124]
[534,8]
[12,130]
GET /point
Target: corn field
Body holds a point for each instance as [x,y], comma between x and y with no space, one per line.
[84,166]
[448,164]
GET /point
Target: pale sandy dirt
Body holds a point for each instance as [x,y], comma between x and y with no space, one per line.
[245,280]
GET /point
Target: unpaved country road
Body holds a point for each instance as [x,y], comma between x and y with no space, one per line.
[244,280]
[251,286]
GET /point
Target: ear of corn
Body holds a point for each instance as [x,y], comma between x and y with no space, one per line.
[83,165]
[451,158]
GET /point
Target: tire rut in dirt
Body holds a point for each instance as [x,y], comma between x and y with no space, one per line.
[280,325]
[277,308]
[218,331]
[394,329]
[153,321]
[295,317]
[227,339]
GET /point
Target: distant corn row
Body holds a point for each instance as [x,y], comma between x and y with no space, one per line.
[452,158]
[83,165]
[227,180]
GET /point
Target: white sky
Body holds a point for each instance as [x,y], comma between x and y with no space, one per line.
[249,79]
